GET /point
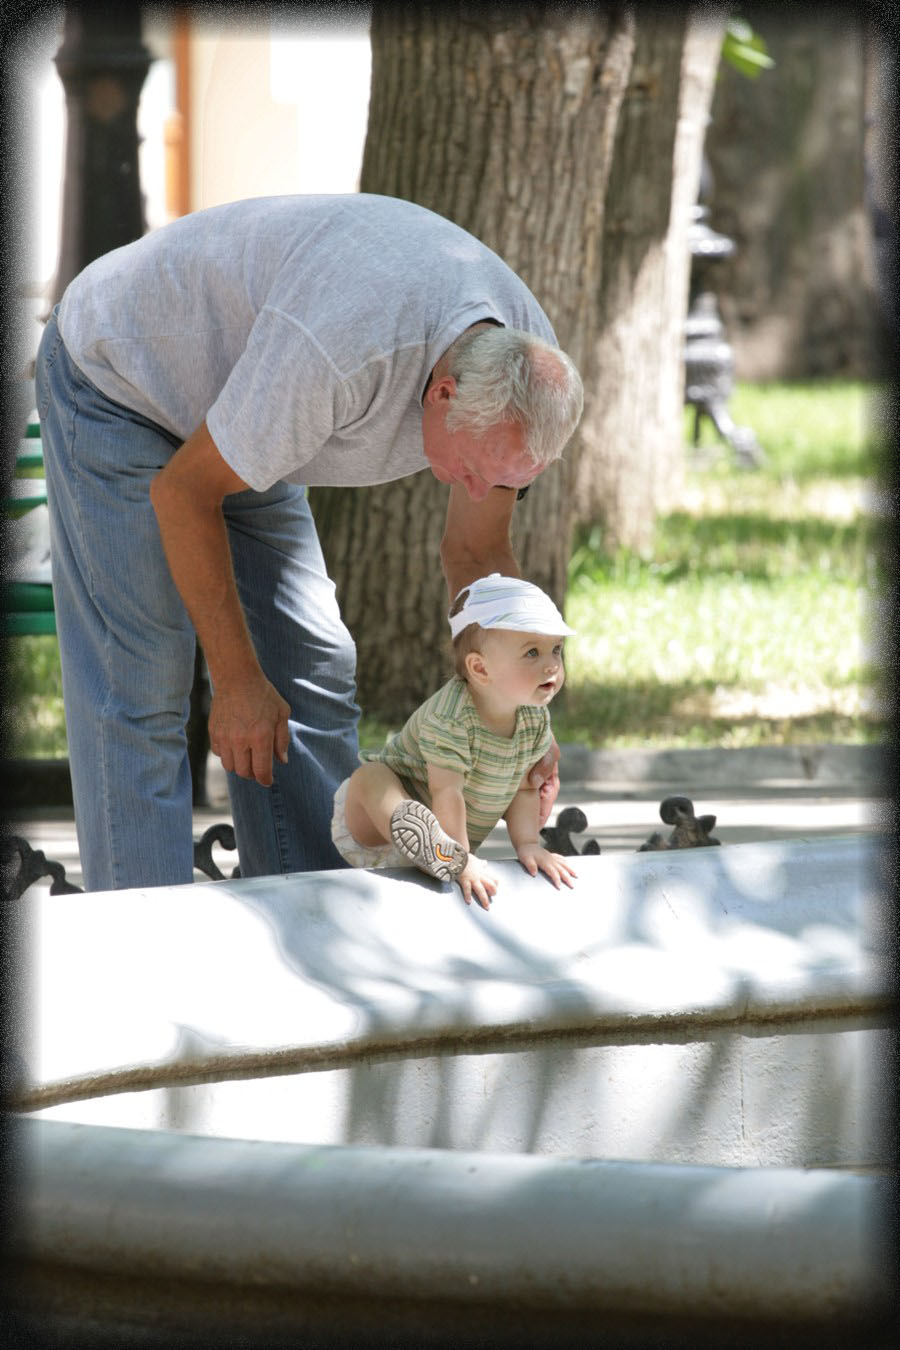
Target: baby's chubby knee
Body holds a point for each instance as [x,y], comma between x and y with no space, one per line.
[373,791]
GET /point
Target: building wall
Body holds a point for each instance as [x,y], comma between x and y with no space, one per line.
[274,108]
[40,140]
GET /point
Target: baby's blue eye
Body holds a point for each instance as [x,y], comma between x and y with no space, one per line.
[533,651]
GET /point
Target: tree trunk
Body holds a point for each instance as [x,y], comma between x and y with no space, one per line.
[798,297]
[632,463]
[381,546]
[503,120]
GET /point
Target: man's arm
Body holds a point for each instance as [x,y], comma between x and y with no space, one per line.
[248,720]
[545,777]
[476,538]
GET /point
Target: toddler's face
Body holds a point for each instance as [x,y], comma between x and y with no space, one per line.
[526,668]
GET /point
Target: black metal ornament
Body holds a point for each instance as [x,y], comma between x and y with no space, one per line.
[689,831]
[571,820]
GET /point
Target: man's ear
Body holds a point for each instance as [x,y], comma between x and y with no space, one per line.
[441,390]
[476,669]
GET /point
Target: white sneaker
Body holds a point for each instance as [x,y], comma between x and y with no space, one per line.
[419,837]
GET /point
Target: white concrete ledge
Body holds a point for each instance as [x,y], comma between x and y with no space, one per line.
[712,1005]
[767,1244]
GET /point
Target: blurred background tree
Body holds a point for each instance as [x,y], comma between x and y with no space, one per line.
[554,133]
[789,155]
[568,139]
[631,461]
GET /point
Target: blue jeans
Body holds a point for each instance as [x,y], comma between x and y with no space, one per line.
[127,649]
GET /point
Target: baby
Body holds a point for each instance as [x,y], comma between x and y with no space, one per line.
[461,762]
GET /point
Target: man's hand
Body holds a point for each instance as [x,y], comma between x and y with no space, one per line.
[545,777]
[248,724]
[248,720]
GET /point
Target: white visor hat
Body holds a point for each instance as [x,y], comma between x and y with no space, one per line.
[509,602]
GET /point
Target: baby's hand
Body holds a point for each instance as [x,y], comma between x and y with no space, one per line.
[557,868]
[475,880]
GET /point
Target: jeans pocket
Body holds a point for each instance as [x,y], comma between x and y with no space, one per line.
[47,352]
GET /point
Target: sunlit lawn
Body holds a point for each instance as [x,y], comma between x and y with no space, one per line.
[750,623]
[753,621]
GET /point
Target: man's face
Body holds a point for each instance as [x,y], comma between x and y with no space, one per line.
[497,458]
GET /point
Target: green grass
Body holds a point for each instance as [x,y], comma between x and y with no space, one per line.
[35,724]
[820,429]
[749,623]
[752,621]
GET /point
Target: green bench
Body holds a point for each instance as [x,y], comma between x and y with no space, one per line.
[28,605]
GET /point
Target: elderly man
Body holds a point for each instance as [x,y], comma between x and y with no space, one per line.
[190,386]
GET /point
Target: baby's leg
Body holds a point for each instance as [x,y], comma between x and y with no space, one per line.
[377,810]
[373,794]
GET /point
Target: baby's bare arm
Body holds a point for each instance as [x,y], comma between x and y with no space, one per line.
[523,822]
[522,816]
[448,804]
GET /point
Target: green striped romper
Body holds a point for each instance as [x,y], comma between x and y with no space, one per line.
[446,731]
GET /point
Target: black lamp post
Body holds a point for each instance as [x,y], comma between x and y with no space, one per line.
[102,64]
[708,356]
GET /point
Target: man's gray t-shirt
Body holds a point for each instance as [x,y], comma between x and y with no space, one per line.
[302,329]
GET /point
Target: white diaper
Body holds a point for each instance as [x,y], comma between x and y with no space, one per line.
[358,855]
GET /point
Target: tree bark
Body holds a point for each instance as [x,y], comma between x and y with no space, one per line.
[798,297]
[503,120]
[632,463]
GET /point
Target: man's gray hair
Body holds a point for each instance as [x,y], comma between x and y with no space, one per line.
[505,375]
